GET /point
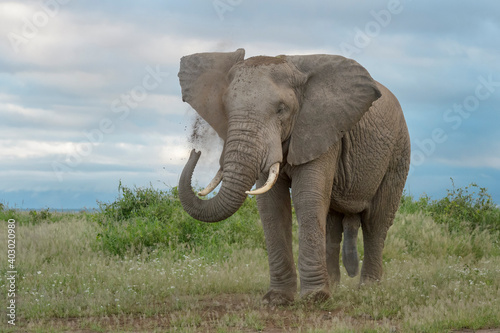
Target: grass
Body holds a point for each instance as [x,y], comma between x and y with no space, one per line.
[114,270]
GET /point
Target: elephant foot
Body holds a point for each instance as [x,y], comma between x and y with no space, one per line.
[317,296]
[275,298]
[367,280]
[334,279]
[333,269]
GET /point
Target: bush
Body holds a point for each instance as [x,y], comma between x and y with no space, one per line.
[409,205]
[31,217]
[145,219]
[463,209]
[467,208]
[39,216]
[7,213]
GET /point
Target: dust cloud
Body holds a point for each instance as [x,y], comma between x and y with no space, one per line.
[204,138]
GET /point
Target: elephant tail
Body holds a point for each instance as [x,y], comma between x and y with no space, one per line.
[350,258]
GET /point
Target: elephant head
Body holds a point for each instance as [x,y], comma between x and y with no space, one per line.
[268,111]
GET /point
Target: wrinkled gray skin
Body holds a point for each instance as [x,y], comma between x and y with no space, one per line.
[344,150]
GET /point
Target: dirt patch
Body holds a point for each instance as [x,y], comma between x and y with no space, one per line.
[232,312]
[264,60]
[492,330]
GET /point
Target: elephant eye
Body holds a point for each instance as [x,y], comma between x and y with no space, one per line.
[281,108]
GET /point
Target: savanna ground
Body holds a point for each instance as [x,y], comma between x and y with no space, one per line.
[140,264]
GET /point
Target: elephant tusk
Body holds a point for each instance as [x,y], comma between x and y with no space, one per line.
[212,185]
[274,171]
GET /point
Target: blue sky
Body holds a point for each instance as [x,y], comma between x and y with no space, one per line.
[89,93]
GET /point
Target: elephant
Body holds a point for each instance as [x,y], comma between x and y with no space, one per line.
[315,130]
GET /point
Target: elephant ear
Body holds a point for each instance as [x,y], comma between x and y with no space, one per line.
[337,93]
[203,79]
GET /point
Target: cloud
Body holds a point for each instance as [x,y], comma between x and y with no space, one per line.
[10,149]
[19,116]
[474,161]
[81,64]
[68,82]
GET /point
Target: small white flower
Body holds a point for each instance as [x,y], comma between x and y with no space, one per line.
[39,272]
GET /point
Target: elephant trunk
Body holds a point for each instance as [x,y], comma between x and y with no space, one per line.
[250,147]
[240,171]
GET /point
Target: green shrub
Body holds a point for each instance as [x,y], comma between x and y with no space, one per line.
[466,208]
[31,217]
[7,213]
[39,216]
[409,205]
[462,210]
[145,219]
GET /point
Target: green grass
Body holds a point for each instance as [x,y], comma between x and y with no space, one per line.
[141,264]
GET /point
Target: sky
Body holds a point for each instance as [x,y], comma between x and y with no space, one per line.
[89,94]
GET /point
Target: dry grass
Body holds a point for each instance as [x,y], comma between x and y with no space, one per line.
[435,281]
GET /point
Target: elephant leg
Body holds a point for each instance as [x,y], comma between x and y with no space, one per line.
[311,192]
[374,228]
[375,223]
[276,215]
[376,220]
[351,224]
[333,239]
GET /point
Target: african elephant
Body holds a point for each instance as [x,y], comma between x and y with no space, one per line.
[318,124]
